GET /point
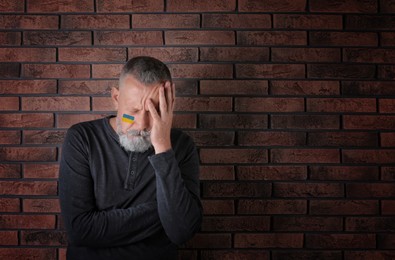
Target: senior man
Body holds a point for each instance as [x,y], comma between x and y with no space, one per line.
[129,184]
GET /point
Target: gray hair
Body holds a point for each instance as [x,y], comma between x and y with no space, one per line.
[146,69]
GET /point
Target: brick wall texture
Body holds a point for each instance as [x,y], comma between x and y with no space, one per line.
[290,102]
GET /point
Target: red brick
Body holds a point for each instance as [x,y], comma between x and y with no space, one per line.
[369,22]
[44,238]
[26,120]
[201,70]
[184,121]
[9,103]
[235,121]
[86,87]
[310,21]
[370,190]
[307,223]
[386,241]
[388,173]
[9,205]
[200,6]
[102,104]
[369,224]
[368,156]
[368,255]
[210,240]
[344,207]
[172,21]
[325,38]
[58,38]
[245,223]
[27,154]
[27,222]
[216,172]
[375,88]
[305,55]
[56,71]
[345,71]
[388,207]
[28,253]
[234,87]
[272,6]
[370,55]
[59,6]
[27,86]
[337,241]
[10,137]
[27,54]
[342,139]
[165,54]
[343,173]
[387,105]
[236,189]
[387,139]
[120,6]
[62,253]
[344,6]
[212,138]
[9,70]
[40,170]
[106,70]
[235,254]
[29,22]
[12,6]
[275,38]
[296,190]
[97,21]
[305,156]
[10,171]
[271,173]
[41,205]
[55,103]
[203,104]
[43,137]
[305,122]
[218,207]
[270,71]
[271,138]
[306,255]
[238,54]
[260,21]
[28,187]
[128,38]
[199,38]
[67,120]
[233,155]
[341,105]
[387,6]
[10,38]
[268,240]
[292,87]
[386,72]
[387,38]
[268,206]
[369,122]
[256,104]
[8,238]
[92,54]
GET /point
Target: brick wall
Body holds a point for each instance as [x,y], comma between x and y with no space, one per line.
[291,103]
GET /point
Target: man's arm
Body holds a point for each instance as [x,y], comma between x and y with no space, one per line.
[85,224]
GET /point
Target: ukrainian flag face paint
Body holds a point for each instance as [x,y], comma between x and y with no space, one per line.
[128,118]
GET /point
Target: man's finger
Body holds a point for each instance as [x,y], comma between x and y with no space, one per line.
[152,110]
[162,101]
[169,95]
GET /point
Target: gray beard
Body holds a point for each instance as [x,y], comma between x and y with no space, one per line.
[134,140]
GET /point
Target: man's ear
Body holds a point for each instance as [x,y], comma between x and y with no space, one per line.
[115,97]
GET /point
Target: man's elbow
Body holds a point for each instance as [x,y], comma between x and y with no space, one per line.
[185,232]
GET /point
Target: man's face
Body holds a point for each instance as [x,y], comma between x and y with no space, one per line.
[131,99]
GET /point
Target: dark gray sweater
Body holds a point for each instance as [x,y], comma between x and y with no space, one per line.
[123,205]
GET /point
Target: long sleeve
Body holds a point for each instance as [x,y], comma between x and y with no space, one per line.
[85,224]
[177,182]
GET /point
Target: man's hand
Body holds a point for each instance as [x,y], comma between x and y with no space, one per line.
[162,120]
